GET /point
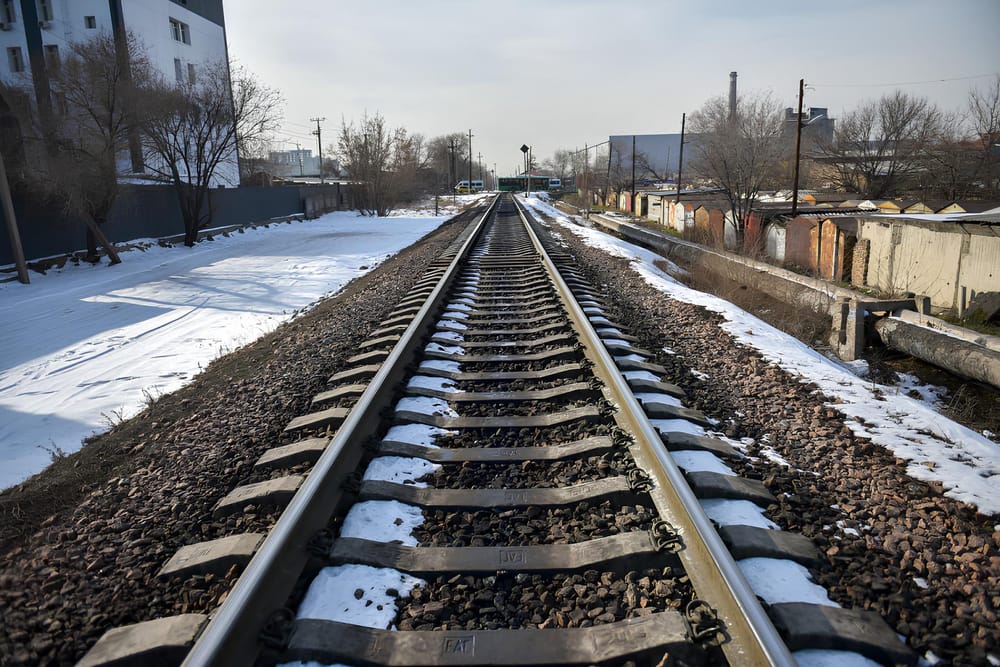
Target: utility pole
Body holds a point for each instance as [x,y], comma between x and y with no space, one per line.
[680,160]
[451,167]
[470,162]
[319,142]
[479,163]
[298,151]
[495,176]
[798,148]
[586,176]
[631,202]
[12,232]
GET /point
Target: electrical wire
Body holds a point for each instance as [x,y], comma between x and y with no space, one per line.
[901,83]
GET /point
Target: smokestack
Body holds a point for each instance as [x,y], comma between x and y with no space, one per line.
[732,96]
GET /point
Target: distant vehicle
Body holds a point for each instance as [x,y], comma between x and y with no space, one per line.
[463,187]
[517,183]
[555,184]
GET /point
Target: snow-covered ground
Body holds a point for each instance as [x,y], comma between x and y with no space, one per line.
[85,346]
[937,448]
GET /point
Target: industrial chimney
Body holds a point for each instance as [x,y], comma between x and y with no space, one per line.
[732,96]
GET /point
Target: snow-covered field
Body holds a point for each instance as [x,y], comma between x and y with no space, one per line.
[86,345]
[937,448]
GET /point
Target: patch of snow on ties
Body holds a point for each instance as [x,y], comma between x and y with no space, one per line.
[610,331]
[617,341]
[444,349]
[387,521]
[640,375]
[451,324]
[667,426]
[832,658]
[332,595]
[937,448]
[727,512]
[453,336]
[459,306]
[455,315]
[599,319]
[695,461]
[399,469]
[651,398]
[442,365]
[425,405]
[779,580]
[422,435]
[629,357]
[429,382]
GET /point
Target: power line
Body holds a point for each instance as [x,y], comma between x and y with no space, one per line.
[901,83]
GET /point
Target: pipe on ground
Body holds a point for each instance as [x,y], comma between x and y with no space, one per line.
[952,354]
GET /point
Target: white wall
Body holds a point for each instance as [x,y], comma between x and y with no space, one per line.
[150,20]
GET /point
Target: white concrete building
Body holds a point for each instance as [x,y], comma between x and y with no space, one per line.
[180,36]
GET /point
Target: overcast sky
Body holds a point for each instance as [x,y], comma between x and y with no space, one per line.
[559,73]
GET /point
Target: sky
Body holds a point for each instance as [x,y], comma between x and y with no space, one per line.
[558,74]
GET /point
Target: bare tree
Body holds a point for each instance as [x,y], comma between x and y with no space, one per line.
[383,161]
[739,154]
[984,118]
[96,92]
[560,164]
[880,146]
[194,127]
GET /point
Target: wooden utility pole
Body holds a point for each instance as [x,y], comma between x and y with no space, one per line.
[470,162]
[15,236]
[319,143]
[479,163]
[631,202]
[798,149]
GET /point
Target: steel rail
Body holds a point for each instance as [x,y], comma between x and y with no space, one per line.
[232,635]
[752,638]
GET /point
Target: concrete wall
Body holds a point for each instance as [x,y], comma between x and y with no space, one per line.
[153,211]
[933,258]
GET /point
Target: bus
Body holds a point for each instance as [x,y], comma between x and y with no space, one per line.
[463,187]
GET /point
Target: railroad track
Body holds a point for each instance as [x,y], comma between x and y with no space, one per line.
[518,501]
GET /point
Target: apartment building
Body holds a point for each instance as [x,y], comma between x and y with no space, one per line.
[180,37]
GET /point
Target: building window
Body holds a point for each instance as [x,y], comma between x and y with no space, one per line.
[180,31]
[9,13]
[44,10]
[90,22]
[191,73]
[15,59]
[51,57]
[178,70]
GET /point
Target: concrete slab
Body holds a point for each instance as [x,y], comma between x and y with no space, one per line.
[754,542]
[213,556]
[806,626]
[302,451]
[717,485]
[164,641]
[272,492]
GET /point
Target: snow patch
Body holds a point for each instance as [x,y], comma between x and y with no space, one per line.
[400,469]
[383,521]
[332,595]
[779,580]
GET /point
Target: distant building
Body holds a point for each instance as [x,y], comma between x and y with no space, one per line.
[180,36]
[289,164]
[817,128]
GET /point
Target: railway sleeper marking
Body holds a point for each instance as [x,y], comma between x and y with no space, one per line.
[331,642]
